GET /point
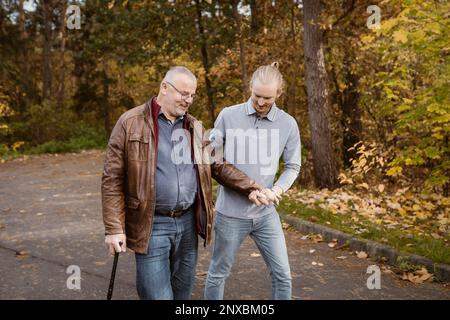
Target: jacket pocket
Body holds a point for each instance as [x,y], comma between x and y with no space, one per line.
[132,203]
[138,145]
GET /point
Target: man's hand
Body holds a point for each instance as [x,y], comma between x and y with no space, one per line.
[273,195]
[112,242]
[258,197]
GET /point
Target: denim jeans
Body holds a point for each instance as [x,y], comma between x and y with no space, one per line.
[268,235]
[168,270]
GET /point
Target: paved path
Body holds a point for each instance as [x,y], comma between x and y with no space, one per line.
[50,208]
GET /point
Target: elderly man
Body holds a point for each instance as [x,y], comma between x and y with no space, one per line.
[156,204]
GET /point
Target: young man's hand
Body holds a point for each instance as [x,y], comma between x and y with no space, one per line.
[258,197]
[273,195]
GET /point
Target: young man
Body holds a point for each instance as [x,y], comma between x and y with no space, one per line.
[155,204]
[254,135]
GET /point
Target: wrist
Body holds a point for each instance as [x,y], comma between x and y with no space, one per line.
[277,190]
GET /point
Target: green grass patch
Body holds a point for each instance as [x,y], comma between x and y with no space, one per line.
[85,139]
[405,241]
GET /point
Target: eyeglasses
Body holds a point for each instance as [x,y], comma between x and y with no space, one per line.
[184,95]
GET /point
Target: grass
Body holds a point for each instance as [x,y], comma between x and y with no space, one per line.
[88,139]
[437,250]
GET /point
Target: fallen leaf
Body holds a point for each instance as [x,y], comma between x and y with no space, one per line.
[418,276]
[341,257]
[314,263]
[316,238]
[22,254]
[332,244]
[363,185]
[312,250]
[201,273]
[361,254]
[254,254]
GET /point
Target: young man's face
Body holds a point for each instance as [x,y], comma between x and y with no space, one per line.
[264,96]
[179,94]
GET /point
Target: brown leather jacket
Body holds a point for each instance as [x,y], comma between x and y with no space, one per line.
[128,181]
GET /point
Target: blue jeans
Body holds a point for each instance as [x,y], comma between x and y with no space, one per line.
[168,270]
[268,235]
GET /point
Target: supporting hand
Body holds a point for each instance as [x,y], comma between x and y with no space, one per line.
[258,197]
[274,194]
[112,242]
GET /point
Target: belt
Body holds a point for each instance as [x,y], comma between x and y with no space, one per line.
[172,213]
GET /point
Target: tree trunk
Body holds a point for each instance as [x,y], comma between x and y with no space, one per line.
[27,82]
[47,72]
[254,22]
[2,19]
[351,114]
[244,77]
[294,68]
[62,54]
[105,98]
[318,97]
[205,61]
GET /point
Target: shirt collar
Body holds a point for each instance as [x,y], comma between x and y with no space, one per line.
[270,116]
[161,114]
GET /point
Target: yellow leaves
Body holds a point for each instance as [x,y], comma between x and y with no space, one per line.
[387,25]
[403,209]
[5,110]
[400,36]
[344,180]
[442,220]
[111,4]
[394,171]
[17,145]
[363,185]
[423,215]
[367,39]
[402,212]
[407,101]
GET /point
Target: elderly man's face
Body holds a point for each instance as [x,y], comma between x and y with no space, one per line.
[180,94]
[264,96]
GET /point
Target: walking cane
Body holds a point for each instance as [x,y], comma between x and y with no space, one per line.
[113,273]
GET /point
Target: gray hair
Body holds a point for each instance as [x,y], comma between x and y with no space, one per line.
[173,71]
